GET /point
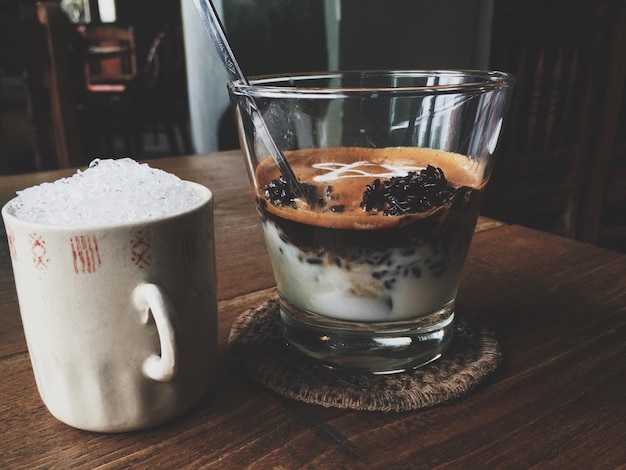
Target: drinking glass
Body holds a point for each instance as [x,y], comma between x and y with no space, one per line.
[395,164]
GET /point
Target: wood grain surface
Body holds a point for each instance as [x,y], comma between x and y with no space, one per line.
[558,400]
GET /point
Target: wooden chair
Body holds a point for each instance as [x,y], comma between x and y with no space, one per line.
[555,51]
[604,213]
[110,71]
[92,110]
[111,60]
[89,110]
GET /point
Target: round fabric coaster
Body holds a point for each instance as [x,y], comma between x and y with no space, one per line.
[256,341]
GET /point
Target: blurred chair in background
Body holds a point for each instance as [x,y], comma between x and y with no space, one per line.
[111,61]
[555,49]
[100,95]
[110,67]
[604,216]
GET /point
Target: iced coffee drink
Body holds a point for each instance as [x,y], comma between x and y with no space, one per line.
[368,248]
[385,240]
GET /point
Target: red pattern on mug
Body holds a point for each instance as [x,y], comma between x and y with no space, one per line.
[85,253]
[39,251]
[140,243]
[11,239]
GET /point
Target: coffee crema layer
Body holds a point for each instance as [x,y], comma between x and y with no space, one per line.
[341,175]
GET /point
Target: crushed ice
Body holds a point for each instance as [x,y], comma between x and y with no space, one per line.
[109,191]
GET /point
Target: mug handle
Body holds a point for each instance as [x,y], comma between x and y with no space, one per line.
[152,299]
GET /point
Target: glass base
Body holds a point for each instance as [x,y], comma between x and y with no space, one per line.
[361,347]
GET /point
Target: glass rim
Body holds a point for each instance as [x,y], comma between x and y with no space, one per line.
[288,85]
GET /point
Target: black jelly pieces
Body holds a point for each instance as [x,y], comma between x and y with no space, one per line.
[280,194]
[415,192]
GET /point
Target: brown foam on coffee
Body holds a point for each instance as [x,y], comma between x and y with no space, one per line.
[347,189]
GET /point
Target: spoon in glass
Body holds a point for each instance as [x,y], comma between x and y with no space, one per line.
[215,30]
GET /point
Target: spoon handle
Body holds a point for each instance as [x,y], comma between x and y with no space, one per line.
[215,30]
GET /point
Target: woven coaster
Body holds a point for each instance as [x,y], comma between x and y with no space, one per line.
[256,341]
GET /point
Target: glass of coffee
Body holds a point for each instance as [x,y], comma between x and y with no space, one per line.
[393,165]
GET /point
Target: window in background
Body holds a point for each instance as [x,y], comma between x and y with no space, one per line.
[107,11]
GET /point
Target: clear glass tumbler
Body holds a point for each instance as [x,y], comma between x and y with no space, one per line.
[394,164]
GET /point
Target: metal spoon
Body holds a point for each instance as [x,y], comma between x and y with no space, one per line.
[215,30]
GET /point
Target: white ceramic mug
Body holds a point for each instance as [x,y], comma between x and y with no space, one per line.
[120,320]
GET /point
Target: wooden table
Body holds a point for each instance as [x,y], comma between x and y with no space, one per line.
[557,401]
